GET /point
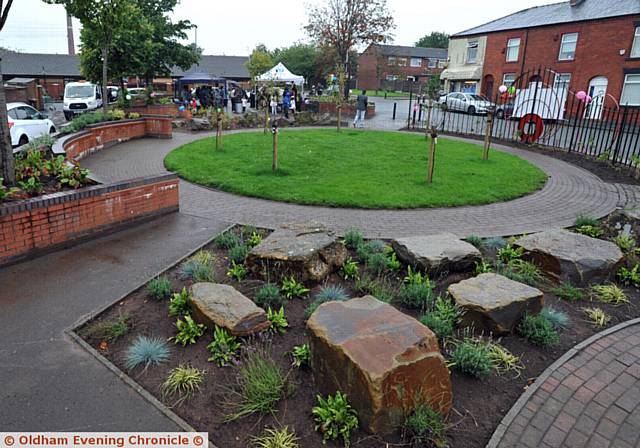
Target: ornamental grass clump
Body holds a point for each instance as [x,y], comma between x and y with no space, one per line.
[330,293]
[353,238]
[113,329]
[475,241]
[335,418]
[238,253]
[365,250]
[495,243]
[610,293]
[559,319]
[182,383]
[443,318]
[199,267]
[426,425]
[159,288]
[416,295]
[276,438]
[146,351]
[630,276]
[586,220]
[538,330]
[269,296]
[227,240]
[567,291]
[377,263]
[597,316]
[625,242]
[503,361]
[471,357]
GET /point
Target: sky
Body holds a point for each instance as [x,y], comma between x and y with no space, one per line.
[36,27]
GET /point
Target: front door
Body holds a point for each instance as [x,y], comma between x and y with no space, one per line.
[598,92]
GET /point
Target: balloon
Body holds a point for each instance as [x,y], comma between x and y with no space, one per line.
[581,95]
[588,99]
[502,89]
[512,90]
[181,108]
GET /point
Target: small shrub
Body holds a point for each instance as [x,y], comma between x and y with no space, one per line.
[260,385]
[6,192]
[159,288]
[585,220]
[180,303]
[539,330]
[625,242]
[417,296]
[349,269]
[568,292]
[269,296]
[331,292]
[254,239]
[393,263]
[182,382]
[610,294]
[146,351]
[224,347]
[522,271]
[495,242]
[292,288]
[334,417]
[227,240]
[592,231]
[365,250]
[426,425]
[559,319]
[509,253]
[134,115]
[483,268]
[238,253]
[301,355]
[597,316]
[416,277]
[475,241]
[353,239]
[246,232]
[199,267]
[630,277]
[379,288]
[377,263]
[237,271]
[112,330]
[471,357]
[279,323]
[188,330]
[32,186]
[276,438]
[503,361]
[444,317]
[311,308]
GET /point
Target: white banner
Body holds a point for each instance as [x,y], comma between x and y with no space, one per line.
[104,439]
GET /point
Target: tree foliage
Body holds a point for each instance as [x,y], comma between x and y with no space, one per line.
[436,39]
[7,163]
[259,61]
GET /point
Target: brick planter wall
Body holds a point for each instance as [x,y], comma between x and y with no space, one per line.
[39,225]
[155,109]
[348,110]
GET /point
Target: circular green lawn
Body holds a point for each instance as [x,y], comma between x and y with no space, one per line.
[366,169]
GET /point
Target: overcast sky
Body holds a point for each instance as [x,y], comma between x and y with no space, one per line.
[234,29]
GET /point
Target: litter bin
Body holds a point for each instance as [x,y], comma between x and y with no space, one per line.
[312,106]
[238,107]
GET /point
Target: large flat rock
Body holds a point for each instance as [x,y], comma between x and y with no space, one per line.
[495,303]
[444,252]
[222,305]
[381,358]
[568,256]
[305,251]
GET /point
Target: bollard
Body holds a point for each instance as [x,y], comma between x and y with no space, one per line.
[394,110]
[274,131]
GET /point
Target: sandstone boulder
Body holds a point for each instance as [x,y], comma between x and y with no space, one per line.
[444,252]
[305,251]
[216,304]
[381,358]
[495,303]
[568,256]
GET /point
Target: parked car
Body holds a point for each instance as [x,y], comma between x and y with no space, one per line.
[136,91]
[466,102]
[504,110]
[80,97]
[26,123]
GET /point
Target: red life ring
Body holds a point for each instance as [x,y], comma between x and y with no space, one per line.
[531,127]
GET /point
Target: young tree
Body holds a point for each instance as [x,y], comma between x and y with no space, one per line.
[434,40]
[7,165]
[300,58]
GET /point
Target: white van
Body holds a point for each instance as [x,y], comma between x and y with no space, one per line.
[80,97]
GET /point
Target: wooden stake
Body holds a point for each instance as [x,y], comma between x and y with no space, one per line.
[487,136]
[218,130]
[432,155]
[274,164]
[428,124]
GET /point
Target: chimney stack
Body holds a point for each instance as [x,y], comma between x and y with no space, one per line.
[70,43]
[575,2]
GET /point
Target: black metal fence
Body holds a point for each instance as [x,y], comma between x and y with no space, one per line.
[538,108]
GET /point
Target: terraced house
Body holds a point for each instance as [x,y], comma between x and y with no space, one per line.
[589,45]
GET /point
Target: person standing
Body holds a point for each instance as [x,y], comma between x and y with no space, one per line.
[361,108]
[286,102]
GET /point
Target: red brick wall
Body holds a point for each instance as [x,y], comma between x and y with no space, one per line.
[156,109]
[30,227]
[597,52]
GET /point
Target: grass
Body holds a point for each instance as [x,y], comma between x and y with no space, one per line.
[364,169]
[146,351]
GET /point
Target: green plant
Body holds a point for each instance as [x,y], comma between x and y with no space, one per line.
[117,114]
[592,231]
[377,263]
[334,417]
[311,308]
[301,355]
[237,271]
[292,288]
[559,319]
[146,351]
[625,242]
[539,330]
[610,294]
[471,357]
[73,176]
[444,317]
[482,268]
[349,269]
[495,242]
[5,192]
[597,316]
[42,143]
[586,220]
[188,330]
[227,240]
[503,361]
[199,267]
[269,296]
[55,165]
[261,383]
[509,253]
[276,438]
[224,347]
[392,262]
[416,295]
[32,186]
[254,239]
[380,288]
[426,425]
[159,288]
[353,238]
[238,253]
[113,329]
[328,293]
[475,241]
[180,303]
[365,250]
[279,323]
[521,271]
[416,277]
[183,381]
[567,291]
[630,277]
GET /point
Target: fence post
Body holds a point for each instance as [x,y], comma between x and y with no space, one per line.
[620,132]
[409,113]
[487,136]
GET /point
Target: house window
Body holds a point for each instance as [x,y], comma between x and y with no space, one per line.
[433,63]
[513,49]
[402,62]
[568,47]
[411,78]
[391,60]
[562,82]
[631,91]
[416,62]
[508,79]
[635,48]
[392,77]
[472,52]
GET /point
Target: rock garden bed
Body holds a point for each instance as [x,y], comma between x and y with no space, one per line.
[373,349]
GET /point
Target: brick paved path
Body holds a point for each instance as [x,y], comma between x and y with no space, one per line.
[589,398]
[570,191]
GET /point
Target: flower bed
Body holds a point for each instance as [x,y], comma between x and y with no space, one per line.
[486,378]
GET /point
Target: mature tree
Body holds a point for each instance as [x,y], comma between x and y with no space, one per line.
[300,58]
[434,40]
[259,61]
[7,165]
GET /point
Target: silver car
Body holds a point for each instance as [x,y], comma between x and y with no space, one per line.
[466,102]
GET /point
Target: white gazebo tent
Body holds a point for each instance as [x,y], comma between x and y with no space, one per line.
[280,73]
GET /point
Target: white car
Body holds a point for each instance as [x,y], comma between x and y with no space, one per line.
[466,102]
[26,123]
[136,91]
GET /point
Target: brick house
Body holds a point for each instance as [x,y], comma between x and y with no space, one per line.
[589,45]
[380,66]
